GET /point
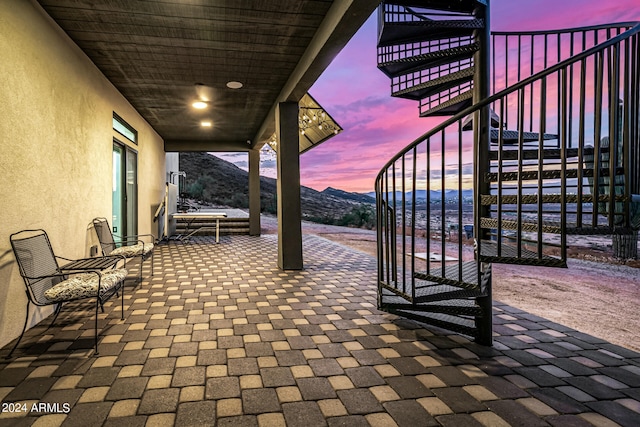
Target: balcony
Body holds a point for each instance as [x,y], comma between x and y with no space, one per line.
[220,334]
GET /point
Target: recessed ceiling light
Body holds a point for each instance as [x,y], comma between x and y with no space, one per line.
[234,85]
[199,105]
[206,124]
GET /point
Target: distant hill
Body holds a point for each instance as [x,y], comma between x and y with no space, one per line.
[218,182]
[435,195]
[356,197]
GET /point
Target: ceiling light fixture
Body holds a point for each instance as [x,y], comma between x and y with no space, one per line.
[200,105]
[310,116]
[234,85]
[204,92]
[206,124]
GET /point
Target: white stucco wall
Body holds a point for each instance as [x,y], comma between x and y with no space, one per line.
[56,147]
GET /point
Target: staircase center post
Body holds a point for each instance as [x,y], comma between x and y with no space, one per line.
[481,134]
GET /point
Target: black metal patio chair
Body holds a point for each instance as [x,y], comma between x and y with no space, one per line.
[132,246]
[49,283]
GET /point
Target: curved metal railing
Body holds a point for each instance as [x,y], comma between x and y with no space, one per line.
[563,158]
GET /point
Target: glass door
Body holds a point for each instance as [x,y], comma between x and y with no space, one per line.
[124,220]
[118,193]
[131,192]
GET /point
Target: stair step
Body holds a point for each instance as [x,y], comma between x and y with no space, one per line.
[532,199]
[547,153]
[451,276]
[548,174]
[509,255]
[430,291]
[456,307]
[511,137]
[433,86]
[449,107]
[460,325]
[445,5]
[435,292]
[553,227]
[394,33]
[407,64]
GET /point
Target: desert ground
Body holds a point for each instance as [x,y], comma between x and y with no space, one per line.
[594,295]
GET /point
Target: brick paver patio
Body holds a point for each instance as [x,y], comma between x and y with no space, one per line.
[220,336]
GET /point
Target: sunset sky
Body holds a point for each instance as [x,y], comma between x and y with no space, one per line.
[377,126]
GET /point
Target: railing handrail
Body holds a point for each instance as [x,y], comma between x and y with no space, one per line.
[511,89]
[628,25]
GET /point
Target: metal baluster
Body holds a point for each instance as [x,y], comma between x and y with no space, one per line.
[543,122]
[563,166]
[404,229]
[520,164]
[443,208]
[599,69]
[413,225]
[459,200]
[581,132]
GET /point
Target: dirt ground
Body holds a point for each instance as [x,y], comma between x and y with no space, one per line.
[595,297]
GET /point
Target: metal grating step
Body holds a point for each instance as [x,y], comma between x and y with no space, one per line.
[452,275]
[432,292]
[547,153]
[435,292]
[449,107]
[457,307]
[394,33]
[445,5]
[511,137]
[531,199]
[400,66]
[548,174]
[547,227]
[430,87]
[461,325]
[508,254]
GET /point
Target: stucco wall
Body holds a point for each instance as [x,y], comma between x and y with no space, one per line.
[56,147]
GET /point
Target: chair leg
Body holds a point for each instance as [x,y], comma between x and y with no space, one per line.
[24,328]
[98,304]
[55,314]
[122,300]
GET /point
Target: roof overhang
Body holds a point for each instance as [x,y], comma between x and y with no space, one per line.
[164,55]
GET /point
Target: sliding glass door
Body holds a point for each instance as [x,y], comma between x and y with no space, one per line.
[124,219]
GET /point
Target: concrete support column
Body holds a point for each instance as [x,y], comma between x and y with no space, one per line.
[289,210]
[254,192]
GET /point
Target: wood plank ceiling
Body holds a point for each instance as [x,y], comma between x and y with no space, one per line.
[155,52]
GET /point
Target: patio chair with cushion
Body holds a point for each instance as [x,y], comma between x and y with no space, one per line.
[49,283]
[131,246]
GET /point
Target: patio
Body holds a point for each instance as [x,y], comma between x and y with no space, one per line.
[220,334]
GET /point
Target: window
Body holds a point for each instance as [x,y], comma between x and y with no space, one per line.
[124,128]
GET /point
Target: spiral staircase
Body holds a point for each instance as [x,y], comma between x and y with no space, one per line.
[542,147]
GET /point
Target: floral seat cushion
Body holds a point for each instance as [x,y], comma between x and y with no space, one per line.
[133,250]
[85,285]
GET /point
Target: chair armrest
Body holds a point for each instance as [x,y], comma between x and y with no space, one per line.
[126,240]
[91,264]
[138,236]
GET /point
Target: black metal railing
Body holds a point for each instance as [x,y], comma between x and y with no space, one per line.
[563,160]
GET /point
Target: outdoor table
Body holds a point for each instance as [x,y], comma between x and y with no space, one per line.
[190,217]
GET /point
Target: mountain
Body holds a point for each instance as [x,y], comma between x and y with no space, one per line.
[435,195]
[216,181]
[356,197]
